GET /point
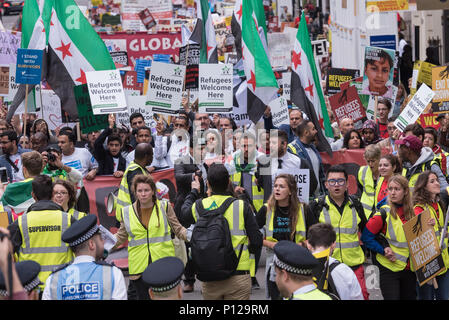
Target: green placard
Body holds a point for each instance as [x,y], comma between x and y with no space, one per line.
[88,121]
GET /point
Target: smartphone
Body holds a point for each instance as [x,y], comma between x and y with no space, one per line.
[3,175]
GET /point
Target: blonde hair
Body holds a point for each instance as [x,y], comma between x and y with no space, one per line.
[406,201]
[372,151]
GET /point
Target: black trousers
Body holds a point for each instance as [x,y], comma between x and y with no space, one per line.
[189,271]
[138,290]
[397,285]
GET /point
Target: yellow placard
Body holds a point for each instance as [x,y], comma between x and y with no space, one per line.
[440,83]
[4,222]
[386,5]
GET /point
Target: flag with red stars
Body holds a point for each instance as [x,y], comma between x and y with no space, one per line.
[73,48]
[262,84]
[209,53]
[306,91]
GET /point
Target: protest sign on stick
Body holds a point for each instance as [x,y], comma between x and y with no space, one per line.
[215,88]
[347,104]
[424,248]
[378,72]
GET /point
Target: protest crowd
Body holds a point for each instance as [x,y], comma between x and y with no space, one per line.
[202,163]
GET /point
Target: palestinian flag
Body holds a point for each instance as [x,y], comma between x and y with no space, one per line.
[306,91]
[18,197]
[208,42]
[262,84]
[74,48]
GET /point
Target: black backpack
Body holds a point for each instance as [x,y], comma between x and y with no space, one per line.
[326,276]
[213,254]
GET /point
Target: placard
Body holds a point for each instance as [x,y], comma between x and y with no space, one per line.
[347,104]
[335,77]
[415,107]
[189,56]
[88,121]
[378,72]
[52,113]
[431,4]
[29,66]
[422,73]
[4,81]
[440,83]
[9,44]
[286,84]
[165,88]
[215,88]
[386,5]
[279,111]
[119,57]
[147,19]
[302,178]
[106,91]
[424,248]
[320,48]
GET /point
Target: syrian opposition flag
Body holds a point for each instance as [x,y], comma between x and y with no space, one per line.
[262,84]
[18,197]
[306,92]
[209,52]
[74,48]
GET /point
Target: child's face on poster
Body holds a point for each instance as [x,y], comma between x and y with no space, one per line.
[378,75]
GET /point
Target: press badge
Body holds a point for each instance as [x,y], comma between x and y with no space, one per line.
[81,291]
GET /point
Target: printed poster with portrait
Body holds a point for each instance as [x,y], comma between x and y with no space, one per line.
[378,72]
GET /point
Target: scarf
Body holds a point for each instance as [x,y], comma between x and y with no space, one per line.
[248,167]
[55,173]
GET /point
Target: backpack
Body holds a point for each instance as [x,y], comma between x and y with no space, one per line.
[326,276]
[213,254]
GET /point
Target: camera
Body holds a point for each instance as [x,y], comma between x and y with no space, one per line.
[51,157]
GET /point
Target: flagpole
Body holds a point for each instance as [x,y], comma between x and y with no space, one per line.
[42,105]
[376,99]
[26,107]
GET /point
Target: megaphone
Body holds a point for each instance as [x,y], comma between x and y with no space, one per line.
[112,201]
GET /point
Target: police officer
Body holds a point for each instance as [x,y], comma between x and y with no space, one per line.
[28,272]
[143,157]
[86,278]
[36,235]
[164,279]
[294,266]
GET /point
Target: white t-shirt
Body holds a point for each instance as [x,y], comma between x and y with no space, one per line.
[82,160]
[17,160]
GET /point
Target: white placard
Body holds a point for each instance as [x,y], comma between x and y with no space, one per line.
[215,88]
[165,87]
[302,178]
[106,91]
[13,86]
[320,48]
[286,84]
[279,111]
[51,109]
[415,107]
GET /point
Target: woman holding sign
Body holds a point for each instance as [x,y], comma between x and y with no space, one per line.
[385,235]
[426,197]
[283,218]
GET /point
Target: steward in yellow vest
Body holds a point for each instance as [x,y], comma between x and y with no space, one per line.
[245,235]
[36,235]
[143,157]
[294,266]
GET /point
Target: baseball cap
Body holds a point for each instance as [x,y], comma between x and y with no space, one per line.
[411,142]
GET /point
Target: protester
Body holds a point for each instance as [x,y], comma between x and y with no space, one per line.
[346,213]
[426,197]
[147,224]
[85,240]
[110,161]
[430,139]
[368,177]
[353,140]
[304,148]
[238,285]
[78,158]
[283,218]
[64,194]
[40,125]
[39,141]
[295,117]
[339,278]
[11,158]
[397,281]
[393,132]
[346,125]
[370,133]
[24,142]
[383,108]
[388,166]
[143,135]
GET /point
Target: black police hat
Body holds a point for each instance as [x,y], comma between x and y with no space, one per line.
[294,258]
[164,274]
[81,230]
[28,272]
